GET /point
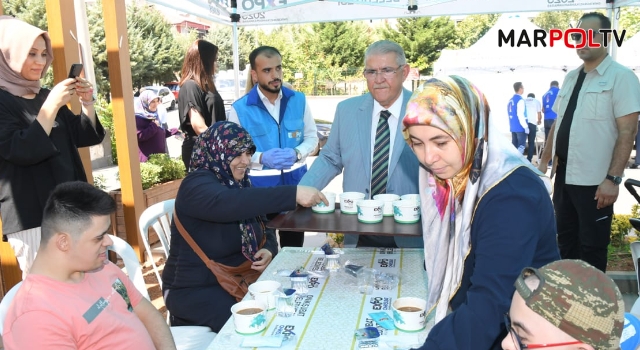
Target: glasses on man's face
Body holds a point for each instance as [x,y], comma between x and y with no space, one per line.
[386,72]
[518,342]
[577,37]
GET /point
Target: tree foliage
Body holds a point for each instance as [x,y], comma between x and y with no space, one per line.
[557,19]
[472,28]
[222,37]
[422,39]
[629,20]
[33,12]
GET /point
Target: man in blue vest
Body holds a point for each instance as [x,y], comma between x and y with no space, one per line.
[548,99]
[280,123]
[517,118]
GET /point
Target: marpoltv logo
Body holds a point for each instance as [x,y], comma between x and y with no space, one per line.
[573,38]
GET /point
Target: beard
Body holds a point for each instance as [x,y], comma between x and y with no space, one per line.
[267,87]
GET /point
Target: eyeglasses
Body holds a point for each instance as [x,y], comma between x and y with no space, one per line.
[577,37]
[518,342]
[386,72]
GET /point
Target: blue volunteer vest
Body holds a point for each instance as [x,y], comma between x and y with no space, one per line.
[548,99]
[268,134]
[512,110]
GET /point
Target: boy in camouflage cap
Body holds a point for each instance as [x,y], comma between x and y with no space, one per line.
[566,304]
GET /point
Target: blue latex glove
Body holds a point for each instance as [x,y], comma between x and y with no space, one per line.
[293,156]
[276,158]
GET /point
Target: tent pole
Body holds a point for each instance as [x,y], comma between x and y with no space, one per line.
[235,18]
[613,14]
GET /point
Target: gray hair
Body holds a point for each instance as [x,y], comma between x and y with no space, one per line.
[382,47]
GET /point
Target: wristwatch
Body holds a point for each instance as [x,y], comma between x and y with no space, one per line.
[298,154]
[617,180]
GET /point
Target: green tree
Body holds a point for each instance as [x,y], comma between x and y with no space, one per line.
[472,28]
[629,20]
[557,19]
[422,39]
[33,12]
[341,44]
[222,36]
[154,52]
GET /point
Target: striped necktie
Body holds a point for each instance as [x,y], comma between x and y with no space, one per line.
[380,166]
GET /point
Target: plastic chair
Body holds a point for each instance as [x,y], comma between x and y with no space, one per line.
[6,302]
[185,337]
[158,216]
[635,254]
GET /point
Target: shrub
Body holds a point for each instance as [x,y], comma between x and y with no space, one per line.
[620,227]
[105,115]
[100,181]
[160,168]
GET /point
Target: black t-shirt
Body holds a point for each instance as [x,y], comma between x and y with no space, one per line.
[210,105]
[562,138]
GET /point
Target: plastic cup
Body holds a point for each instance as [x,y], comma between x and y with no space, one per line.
[249,316]
[348,202]
[265,291]
[323,208]
[411,196]
[366,280]
[285,306]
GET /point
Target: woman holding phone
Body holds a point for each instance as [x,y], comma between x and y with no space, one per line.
[39,135]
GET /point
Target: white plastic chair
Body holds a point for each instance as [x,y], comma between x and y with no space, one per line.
[6,302]
[635,254]
[185,337]
[158,216]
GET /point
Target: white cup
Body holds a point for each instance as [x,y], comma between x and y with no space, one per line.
[388,200]
[348,202]
[265,291]
[322,208]
[406,211]
[370,210]
[249,316]
[409,314]
[411,196]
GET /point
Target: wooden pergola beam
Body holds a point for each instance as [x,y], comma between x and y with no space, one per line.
[115,27]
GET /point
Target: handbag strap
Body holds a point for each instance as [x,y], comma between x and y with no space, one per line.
[187,237]
[196,248]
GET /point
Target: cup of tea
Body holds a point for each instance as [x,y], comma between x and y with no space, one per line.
[323,208]
[348,202]
[370,211]
[265,291]
[409,314]
[406,211]
[388,199]
[249,316]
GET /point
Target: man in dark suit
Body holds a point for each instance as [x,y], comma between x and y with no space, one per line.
[353,139]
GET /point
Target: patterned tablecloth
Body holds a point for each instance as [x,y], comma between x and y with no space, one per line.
[327,317]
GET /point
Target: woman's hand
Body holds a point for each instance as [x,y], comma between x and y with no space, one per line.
[84,89]
[308,196]
[61,94]
[263,258]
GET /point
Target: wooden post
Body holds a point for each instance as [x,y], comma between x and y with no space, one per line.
[115,27]
[1,9]
[11,273]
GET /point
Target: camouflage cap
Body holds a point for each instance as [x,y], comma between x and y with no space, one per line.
[578,299]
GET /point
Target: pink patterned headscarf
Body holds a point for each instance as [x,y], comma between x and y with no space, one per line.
[457,107]
[16,40]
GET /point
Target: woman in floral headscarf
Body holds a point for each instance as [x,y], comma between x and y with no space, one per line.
[151,135]
[224,215]
[486,214]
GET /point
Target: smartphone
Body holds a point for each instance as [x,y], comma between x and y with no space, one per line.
[75,70]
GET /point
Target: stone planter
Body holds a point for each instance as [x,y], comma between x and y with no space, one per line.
[153,195]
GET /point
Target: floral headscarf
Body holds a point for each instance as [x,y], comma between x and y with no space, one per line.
[214,150]
[455,106]
[141,106]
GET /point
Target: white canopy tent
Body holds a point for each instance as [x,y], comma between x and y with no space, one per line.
[629,53]
[270,12]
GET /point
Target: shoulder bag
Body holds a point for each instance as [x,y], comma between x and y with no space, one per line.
[234,279]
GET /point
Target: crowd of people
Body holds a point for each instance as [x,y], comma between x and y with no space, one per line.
[493,237]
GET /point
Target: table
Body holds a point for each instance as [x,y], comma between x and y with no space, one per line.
[304,219]
[328,317]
